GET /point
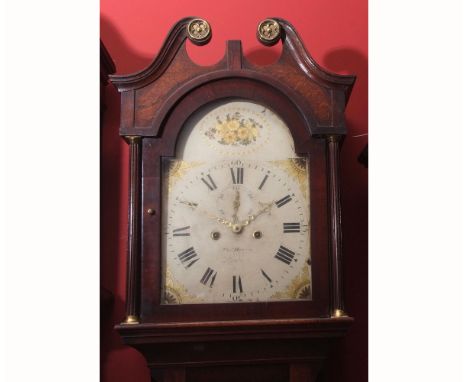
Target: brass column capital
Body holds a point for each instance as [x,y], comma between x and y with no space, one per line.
[334,138]
[132,139]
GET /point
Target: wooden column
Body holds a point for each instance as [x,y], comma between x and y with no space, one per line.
[133,254]
[333,158]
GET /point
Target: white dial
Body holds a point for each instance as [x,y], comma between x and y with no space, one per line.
[236,231]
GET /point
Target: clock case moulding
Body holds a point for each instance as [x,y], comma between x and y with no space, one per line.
[155,103]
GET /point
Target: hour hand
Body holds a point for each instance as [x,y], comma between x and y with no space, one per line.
[190,204]
[220,220]
[236,205]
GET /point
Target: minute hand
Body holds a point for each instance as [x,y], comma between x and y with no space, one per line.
[264,209]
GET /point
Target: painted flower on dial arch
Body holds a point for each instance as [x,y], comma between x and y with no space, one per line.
[243,133]
[232,125]
[234,130]
[230,137]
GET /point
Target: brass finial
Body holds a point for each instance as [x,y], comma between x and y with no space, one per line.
[268,32]
[199,31]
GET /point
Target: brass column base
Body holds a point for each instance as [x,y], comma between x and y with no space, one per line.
[131,320]
[339,313]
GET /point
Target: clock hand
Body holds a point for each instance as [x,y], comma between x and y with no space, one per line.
[266,207]
[190,204]
[236,205]
[207,214]
[238,227]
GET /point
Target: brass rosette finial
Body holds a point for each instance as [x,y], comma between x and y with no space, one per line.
[199,31]
[268,32]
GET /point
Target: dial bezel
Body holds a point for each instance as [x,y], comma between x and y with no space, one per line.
[153,151]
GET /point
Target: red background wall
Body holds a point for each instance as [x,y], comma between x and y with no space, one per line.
[335,33]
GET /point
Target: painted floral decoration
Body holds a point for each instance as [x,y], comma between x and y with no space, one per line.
[234,130]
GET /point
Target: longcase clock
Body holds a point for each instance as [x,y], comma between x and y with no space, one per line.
[234,257]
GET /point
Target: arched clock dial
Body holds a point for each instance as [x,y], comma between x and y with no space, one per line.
[237,231]
[235,210]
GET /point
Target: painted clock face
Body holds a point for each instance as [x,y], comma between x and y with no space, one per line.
[235,210]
